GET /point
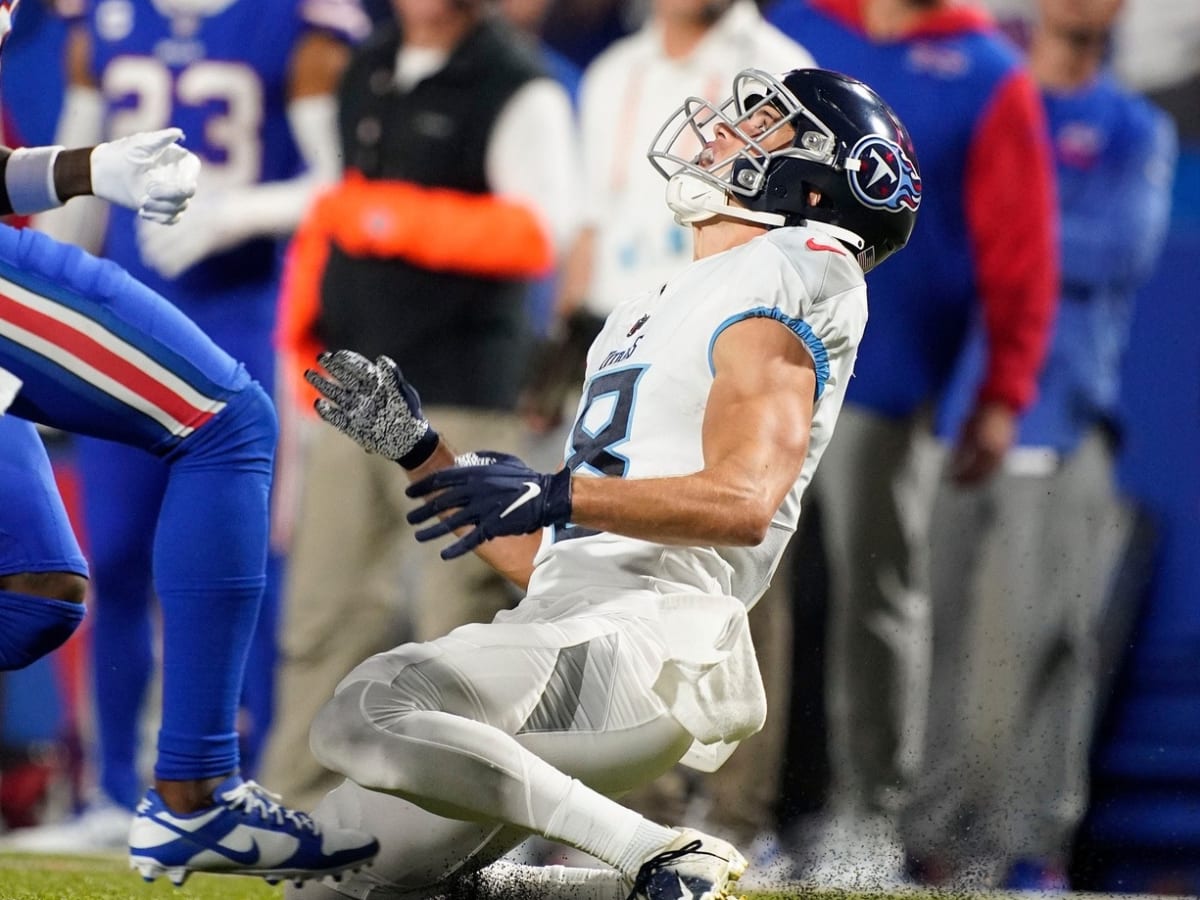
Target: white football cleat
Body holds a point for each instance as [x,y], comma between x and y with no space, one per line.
[694,866]
[247,832]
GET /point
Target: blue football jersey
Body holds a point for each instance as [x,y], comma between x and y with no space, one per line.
[222,77]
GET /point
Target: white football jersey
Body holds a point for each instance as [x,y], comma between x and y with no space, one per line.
[648,379]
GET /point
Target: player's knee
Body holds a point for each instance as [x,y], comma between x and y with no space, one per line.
[38,612]
[262,409]
[355,734]
[244,433]
[337,729]
[254,418]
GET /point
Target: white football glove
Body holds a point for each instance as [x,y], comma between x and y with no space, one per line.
[148,172]
[10,384]
[211,226]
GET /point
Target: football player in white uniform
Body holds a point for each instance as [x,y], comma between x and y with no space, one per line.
[708,402]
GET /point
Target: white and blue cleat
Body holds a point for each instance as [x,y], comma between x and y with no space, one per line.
[694,866]
[247,832]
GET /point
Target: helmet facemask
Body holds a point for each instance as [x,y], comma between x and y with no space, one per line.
[700,186]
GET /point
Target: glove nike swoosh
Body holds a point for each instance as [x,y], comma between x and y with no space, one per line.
[532,490]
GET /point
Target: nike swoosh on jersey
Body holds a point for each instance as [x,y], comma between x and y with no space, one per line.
[532,490]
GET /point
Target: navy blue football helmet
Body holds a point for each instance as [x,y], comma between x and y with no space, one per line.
[848,151]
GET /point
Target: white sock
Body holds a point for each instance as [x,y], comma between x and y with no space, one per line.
[507,879]
[606,829]
[646,840]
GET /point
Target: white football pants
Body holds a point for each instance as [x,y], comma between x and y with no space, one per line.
[470,742]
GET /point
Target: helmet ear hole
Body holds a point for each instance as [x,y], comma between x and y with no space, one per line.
[814,197]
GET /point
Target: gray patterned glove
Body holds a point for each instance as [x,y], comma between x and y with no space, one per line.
[371,403]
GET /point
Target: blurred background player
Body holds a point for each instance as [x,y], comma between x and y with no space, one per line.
[984,252]
[262,115]
[629,240]
[458,191]
[99,353]
[1026,559]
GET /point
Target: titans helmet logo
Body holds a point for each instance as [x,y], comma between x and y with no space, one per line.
[885,177]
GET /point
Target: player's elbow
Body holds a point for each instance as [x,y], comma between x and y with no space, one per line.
[749,525]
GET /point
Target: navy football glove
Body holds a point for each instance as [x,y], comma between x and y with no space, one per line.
[500,498]
[371,403]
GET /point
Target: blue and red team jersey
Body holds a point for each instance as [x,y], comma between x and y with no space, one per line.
[984,243]
[1115,155]
[224,79]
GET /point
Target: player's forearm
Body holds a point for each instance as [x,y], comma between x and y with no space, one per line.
[706,508]
[39,178]
[513,556]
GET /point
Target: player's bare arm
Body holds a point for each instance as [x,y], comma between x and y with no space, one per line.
[317,64]
[755,434]
[77,57]
[755,438]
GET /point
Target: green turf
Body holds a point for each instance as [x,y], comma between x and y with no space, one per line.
[36,877]
[25,877]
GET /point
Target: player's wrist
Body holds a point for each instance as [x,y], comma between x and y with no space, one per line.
[73,173]
[421,451]
[559,498]
[29,179]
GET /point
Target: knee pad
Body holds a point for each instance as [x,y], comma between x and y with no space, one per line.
[31,627]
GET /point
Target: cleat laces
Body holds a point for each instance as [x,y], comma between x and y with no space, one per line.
[257,800]
[661,861]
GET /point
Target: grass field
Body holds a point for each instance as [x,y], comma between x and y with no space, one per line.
[26,877]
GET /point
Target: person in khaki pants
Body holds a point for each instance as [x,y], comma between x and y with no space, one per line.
[423,252]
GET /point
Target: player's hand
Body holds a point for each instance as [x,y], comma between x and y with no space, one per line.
[555,371]
[985,438]
[371,403]
[10,385]
[148,172]
[501,497]
[209,227]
